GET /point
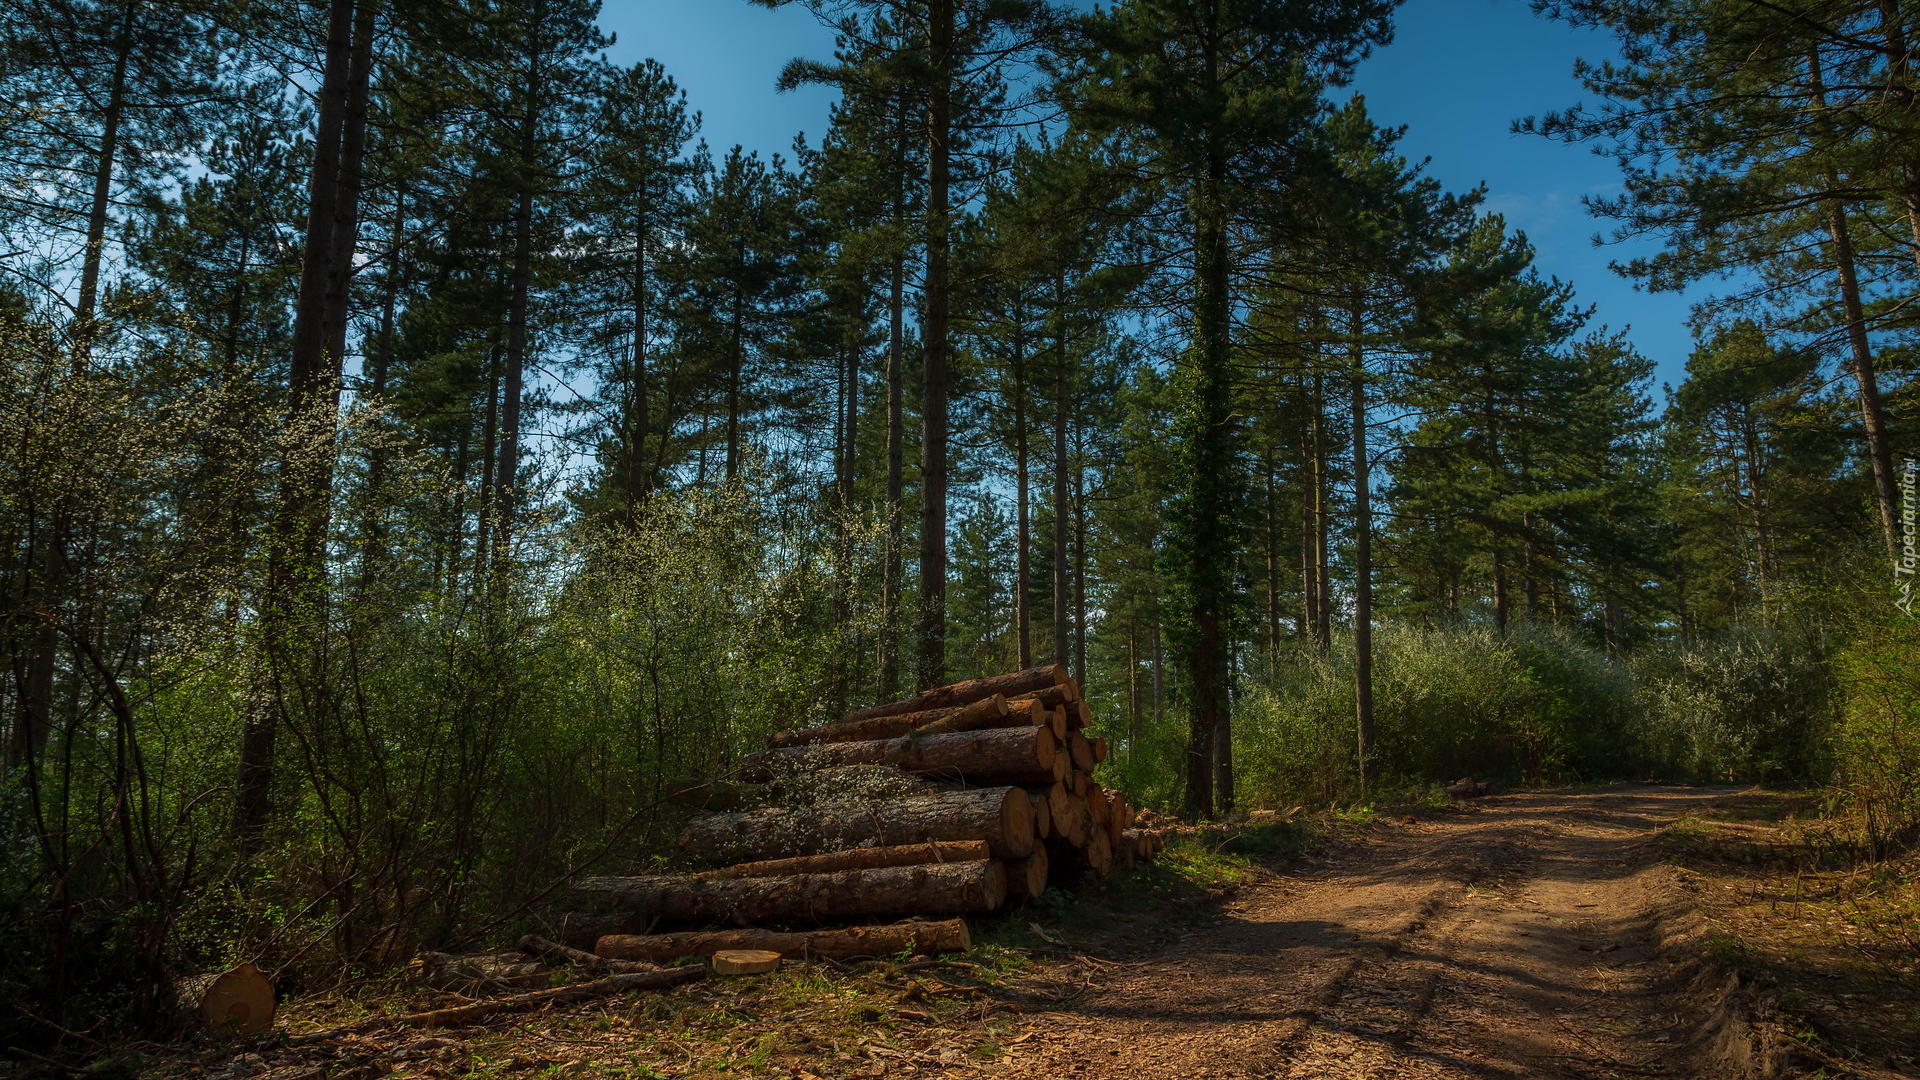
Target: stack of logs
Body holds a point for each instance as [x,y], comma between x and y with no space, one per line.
[959,800]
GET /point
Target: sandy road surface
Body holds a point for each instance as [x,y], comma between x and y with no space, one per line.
[1521,939]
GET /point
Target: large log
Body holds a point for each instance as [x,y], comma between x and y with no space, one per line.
[1079,822]
[1100,749]
[1082,751]
[926,889]
[1056,795]
[1097,856]
[955,718]
[1079,715]
[968,755]
[1042,816]
[949,935]
[1002,816]
[1053,696]
[965,693]
[872,858]
[1027,878]
[581,929]
[235,1002]
[1097,806]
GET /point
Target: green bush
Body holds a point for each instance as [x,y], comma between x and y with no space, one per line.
[1533,705]
[1751,704]
[1877,735]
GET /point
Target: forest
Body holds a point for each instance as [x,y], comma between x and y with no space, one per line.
[419,449]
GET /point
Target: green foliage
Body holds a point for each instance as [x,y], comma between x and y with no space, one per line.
[1531,706]
[1749,704]
[1877,736]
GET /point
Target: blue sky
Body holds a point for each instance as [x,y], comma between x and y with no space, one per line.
[1457,75]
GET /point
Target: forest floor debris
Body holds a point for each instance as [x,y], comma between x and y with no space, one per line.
[1630,931]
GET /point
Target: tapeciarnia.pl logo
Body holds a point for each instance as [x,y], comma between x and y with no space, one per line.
[1908,565]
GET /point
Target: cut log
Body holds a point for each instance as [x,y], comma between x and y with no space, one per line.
[1082,751]
[956,718]
[960,755]
[1079,822]
[1056,795]
[1077,781]
[1002,816]
[1099,750]
[561,954]
[1097,806]
[1097,856]
[1027,878]
[714,794]
[927,889]
[914,936]
[235,1002]
[1042,816]
[1132,847]
[857,859]
[1146,843]
[580,929]
[744,962]
[1053,696]
[1079,715]
[966,693]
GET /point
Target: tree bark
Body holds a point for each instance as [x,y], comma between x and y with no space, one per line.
[86,302]
[1015,684]
[915,936]
[946,851]
[1061,655]
[1002,816]
[1210,464]
[924,889]
[954,718]
[971,755]
[892,588]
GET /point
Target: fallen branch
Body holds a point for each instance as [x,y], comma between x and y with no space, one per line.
[555,951]
[467,1014]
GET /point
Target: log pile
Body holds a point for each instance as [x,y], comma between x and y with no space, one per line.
[959,800]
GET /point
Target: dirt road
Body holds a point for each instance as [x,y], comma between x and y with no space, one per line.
[1531,936]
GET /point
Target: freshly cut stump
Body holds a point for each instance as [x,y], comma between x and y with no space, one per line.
[927,889]
[238,1001]
[1002,816]
[914,936]
[744,962]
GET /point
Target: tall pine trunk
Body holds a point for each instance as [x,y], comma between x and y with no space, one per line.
[1362,566]
[1208,469]
[1872,416]
[86,303]
[892,587]
[1061,568]
[1023,512]
[933,420]
[635,481]
[296,555]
